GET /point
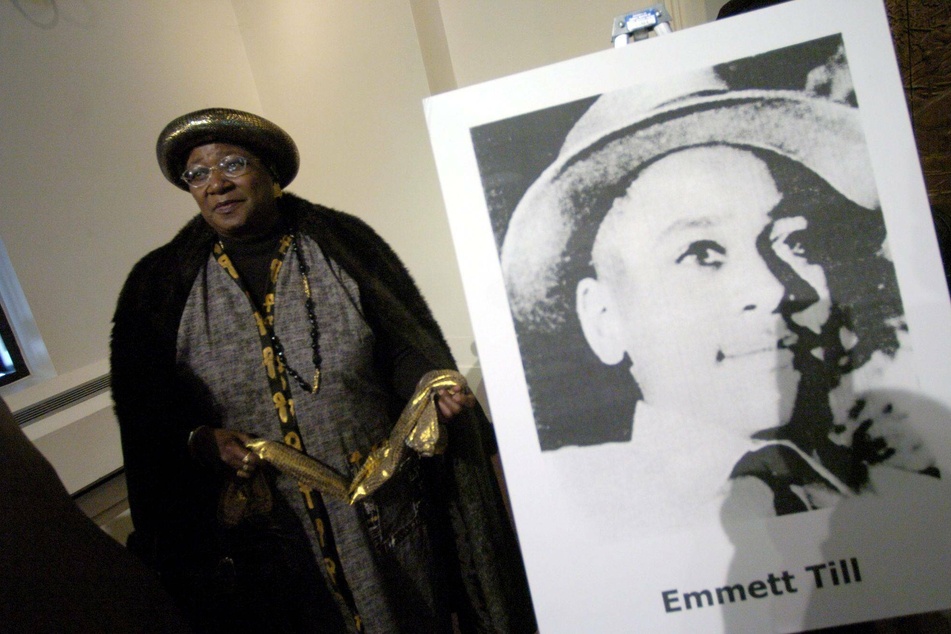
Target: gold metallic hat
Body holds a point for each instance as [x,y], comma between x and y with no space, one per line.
[551,231]
[269,143]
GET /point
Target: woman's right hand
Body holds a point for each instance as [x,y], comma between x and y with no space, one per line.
[224,447]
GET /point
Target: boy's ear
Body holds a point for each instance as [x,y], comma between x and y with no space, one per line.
[599,321]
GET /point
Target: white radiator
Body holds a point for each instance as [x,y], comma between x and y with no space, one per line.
[70,420]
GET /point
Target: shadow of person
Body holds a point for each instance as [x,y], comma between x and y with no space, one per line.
[878,551]
[900,529]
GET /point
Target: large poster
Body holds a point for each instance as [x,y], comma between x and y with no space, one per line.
[713,325]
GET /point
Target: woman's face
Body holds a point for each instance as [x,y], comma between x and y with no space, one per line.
[684,287]
[235,207]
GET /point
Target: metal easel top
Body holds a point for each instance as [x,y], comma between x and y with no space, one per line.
[639,24]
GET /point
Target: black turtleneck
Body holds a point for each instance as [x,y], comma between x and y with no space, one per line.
[252,258]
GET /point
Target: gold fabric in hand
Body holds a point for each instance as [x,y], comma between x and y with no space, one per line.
[309,472]
[417,428]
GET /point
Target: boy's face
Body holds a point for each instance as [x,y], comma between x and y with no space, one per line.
[684,288]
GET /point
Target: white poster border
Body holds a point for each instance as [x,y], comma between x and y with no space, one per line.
[603,585]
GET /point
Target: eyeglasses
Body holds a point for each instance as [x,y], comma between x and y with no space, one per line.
[230,167]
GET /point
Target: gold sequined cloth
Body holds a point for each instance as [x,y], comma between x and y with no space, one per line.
[418,428]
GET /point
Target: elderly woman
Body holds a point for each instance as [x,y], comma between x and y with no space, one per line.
[274,318]
[688,242]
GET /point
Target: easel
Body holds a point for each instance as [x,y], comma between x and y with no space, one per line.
[639,24]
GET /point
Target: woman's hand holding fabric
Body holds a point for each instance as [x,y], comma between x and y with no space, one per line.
[224,447]
[233,453]
[451,401]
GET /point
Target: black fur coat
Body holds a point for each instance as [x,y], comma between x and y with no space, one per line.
[173,500]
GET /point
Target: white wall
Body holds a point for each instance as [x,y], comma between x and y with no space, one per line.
[87,85]
[83,99]
[346,80]
[492,38]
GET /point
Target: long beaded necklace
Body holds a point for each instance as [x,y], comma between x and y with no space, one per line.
[289,241]
[284,403]
[314,330]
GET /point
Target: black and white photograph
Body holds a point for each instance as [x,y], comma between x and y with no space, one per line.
[709,253]
[712,321]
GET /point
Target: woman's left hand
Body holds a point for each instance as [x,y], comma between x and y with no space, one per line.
[451,401]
